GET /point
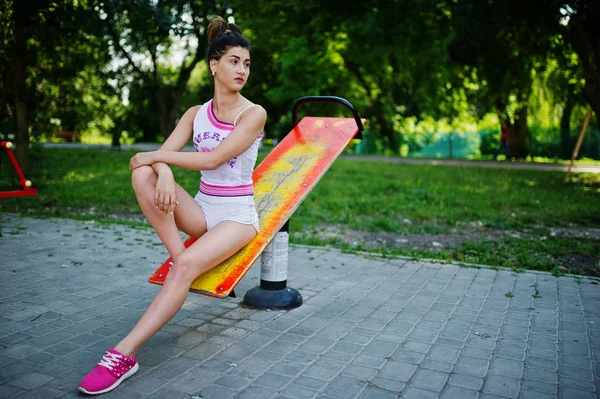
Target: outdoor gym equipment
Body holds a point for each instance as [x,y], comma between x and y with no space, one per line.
[281,182]
[25,185]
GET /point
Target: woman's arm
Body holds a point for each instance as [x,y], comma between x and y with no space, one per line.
[178,138]
[182,132]
[242,137]
[165,194]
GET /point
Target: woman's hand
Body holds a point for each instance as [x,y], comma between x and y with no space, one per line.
[141,159]
[165,194]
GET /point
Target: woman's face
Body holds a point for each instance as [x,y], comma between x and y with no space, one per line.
[233,69]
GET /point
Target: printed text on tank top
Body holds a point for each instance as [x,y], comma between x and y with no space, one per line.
[209,132]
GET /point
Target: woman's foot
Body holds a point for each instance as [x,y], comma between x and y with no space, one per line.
[113,369]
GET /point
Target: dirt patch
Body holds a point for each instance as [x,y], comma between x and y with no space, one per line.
[584,264]
[583,232]
[370,240]
[455,238]
[580,264]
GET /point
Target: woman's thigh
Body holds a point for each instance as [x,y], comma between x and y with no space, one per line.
[215,246]
[188,215]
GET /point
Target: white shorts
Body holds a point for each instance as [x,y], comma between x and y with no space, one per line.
[237,209]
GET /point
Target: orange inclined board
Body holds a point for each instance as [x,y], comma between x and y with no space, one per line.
[281,182]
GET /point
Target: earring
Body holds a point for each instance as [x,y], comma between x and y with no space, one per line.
[213,73]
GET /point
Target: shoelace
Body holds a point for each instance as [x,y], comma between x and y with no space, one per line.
[110,360]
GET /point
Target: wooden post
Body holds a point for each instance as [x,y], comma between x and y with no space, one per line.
[578,145]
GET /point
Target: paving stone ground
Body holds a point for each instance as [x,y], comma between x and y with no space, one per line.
[369,327]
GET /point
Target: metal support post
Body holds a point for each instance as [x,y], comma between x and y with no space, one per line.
[273,292]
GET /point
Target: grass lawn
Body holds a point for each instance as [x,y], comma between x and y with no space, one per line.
[502,217]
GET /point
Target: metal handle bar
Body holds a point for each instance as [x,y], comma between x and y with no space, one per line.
[328,99]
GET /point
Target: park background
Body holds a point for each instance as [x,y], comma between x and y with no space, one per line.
[433,79]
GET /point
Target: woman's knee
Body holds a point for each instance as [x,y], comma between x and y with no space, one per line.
[142,176]
[184,270]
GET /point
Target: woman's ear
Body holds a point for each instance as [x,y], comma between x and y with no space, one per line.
[213,66]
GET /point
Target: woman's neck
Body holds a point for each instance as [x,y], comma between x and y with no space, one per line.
[225,100]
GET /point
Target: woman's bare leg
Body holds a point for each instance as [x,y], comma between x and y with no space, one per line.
[212,248]
[187,215]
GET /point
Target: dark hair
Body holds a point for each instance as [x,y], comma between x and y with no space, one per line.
[222,36]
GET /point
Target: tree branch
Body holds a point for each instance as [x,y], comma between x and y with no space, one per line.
[121,49]
[355,70]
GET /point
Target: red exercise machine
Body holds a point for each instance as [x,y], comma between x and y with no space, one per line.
[24,184]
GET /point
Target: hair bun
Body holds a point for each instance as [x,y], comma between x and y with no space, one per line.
[221,36]
[218,26]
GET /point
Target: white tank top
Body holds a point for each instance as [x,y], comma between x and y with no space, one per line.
[234,177]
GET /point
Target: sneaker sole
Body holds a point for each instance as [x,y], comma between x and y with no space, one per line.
[125,376]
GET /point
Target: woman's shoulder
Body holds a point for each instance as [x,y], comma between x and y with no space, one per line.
[191,113]
[194,109]
[251,113]
[249,103]
[256,110]
[254,107]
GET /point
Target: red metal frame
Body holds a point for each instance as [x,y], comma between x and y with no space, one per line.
[26,189]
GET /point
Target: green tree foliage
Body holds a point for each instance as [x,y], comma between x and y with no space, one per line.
[507,43]
[67,65]
[579,24]
[496,41]
[6,69]
[72,76]
[557,94]
[49,53]
[289,57]
[387,57]
[143,35]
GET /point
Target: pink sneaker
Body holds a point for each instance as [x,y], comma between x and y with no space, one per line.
[113,369]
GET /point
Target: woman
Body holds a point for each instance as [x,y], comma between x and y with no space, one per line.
[226,133]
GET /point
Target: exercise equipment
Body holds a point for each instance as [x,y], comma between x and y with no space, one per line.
[281,182]
[26,188]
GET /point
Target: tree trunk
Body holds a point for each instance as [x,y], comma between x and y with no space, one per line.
[168,101]
[116,139]
[148,134]
[163,118]
[593,98]
[185,72]
[20,64]
[386,130]
[565,126]
[172,114]
[168,109]
[116,132]
[518,136]
[375,108]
